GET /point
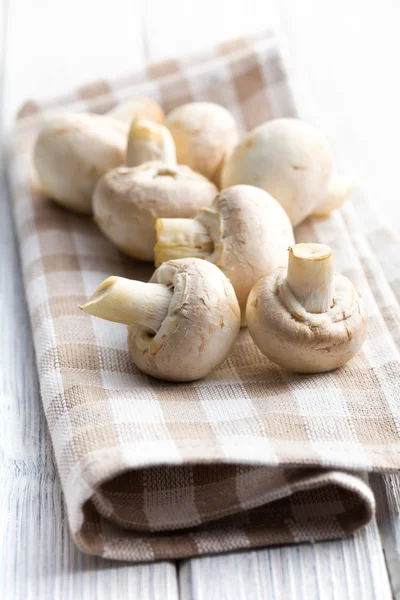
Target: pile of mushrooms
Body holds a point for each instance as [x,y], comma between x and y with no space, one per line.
[245,232]
[128,200]
[215,214]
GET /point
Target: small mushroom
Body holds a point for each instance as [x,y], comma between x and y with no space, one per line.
[142,107]
[245,233]
[339,190]
[149,141]
[204,133]
[127,202]
[73,151]
[293,162]
[181,325]
[307,318]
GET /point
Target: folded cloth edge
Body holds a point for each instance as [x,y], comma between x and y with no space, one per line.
[365,492]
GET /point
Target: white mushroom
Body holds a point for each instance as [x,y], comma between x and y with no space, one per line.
[181,325]
[142,107]
[307,318]
[339,190]
[73,151]
[292,161]
[204,134]
[127,202]
[245,232]
[149,141]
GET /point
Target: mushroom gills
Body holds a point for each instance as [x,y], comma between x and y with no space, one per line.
[181,325]
[342,306]
[245,232]
[130,302]
[182,238]
[127,202]
[307,319]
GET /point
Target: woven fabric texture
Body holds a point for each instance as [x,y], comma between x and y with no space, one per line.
[249,456]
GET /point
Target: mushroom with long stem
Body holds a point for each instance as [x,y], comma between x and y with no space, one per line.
[307,318]
[245,232]
[127,202]
[181,325]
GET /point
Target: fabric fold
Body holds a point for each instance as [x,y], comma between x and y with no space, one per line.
[249,456]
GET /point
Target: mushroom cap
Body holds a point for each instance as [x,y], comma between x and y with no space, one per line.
[127,202]
[204,133]
[251,234]
[339,190]
[200,329]
[289,159]
[137,107]
[73,151]
[295,344]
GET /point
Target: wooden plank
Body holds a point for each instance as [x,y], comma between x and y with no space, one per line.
[340,91]
[3,33]
[38,549]
[37,556]
[353,568]
[343,569]
[387,492]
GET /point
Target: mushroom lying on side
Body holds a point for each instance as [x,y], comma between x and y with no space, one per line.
[141,107]
[181,325]
[127,202]
[149,141]
[307,318]
[73,151]
[245,232]
[293,162]
[204,134]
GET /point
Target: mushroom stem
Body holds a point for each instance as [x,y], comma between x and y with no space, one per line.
[181,238]
[148,141]
[130,302]
[310,276]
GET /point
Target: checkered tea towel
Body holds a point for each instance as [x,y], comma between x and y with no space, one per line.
[249,456]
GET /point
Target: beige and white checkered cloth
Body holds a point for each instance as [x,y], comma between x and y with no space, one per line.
[249,456]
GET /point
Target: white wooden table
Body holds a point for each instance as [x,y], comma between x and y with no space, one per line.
[345,57]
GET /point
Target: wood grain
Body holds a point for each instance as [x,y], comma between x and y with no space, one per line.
[340,86]
[387,493]
[353,568]
[38,559]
